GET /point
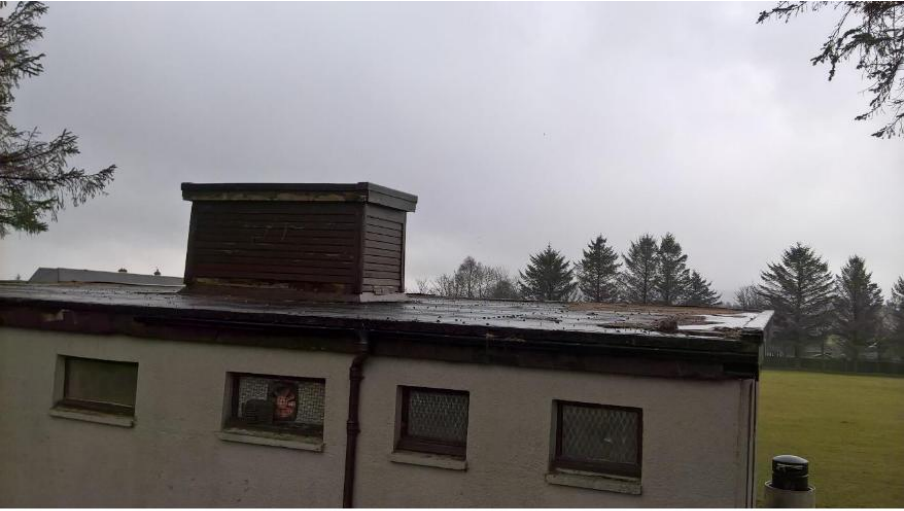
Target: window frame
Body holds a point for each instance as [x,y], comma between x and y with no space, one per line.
[558,461]
[233,421]
[413,443]
[95,406]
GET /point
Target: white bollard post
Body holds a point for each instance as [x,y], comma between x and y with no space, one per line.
[790,486]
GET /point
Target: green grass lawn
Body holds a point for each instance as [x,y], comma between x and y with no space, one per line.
[850,428]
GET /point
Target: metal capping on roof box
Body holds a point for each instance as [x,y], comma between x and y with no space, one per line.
[301,192]
[312,241]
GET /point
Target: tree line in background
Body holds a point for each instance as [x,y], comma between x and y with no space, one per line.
[817,314]
[651,272]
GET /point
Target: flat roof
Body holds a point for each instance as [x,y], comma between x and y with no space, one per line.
[668,342]
[690,326]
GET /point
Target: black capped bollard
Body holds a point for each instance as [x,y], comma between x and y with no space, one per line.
[790,485]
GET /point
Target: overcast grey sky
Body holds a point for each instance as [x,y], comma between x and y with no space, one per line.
[515,124]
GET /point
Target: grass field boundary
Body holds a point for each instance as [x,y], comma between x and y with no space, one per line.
[862,367]
[836,373]
[847,426]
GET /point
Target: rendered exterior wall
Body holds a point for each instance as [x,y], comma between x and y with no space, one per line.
[172,457]
[694,438]
[695,442]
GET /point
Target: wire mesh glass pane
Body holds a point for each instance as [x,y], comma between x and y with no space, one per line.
[295,402]
[438,415]
[599,434]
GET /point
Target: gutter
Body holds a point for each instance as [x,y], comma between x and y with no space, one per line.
[582,351]
[353,426]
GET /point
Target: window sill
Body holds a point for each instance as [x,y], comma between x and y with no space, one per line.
[428,460]
[270,439]
[592,481]
[92,416]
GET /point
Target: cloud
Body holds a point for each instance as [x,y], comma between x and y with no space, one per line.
[516,124]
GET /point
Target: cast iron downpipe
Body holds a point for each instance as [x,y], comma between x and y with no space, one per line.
[353,427]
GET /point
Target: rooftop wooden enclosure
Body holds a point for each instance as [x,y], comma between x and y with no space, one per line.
[332,242]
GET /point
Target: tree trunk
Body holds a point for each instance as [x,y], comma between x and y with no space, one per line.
[823,354]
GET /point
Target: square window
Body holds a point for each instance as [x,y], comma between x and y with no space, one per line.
[433,421]
[277,403]
[598,438]
[99,385]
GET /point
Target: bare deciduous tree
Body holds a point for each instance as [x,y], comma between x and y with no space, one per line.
[748,298]
[474,280]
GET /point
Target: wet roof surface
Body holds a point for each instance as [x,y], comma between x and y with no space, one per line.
[682,322]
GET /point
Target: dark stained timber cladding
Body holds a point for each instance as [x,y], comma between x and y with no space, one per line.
[384,246]
[308,244]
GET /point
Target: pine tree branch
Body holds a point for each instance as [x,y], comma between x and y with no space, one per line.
[878,41]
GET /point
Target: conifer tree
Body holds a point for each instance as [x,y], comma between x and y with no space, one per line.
[548,277]
[858,307]
[672,277]
[800,291]
[506,288]
[699,292]
[597,272]
[640,270]
[896,305]
[35,180]
[469,276]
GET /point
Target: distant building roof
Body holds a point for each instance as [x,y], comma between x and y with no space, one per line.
[57,275]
